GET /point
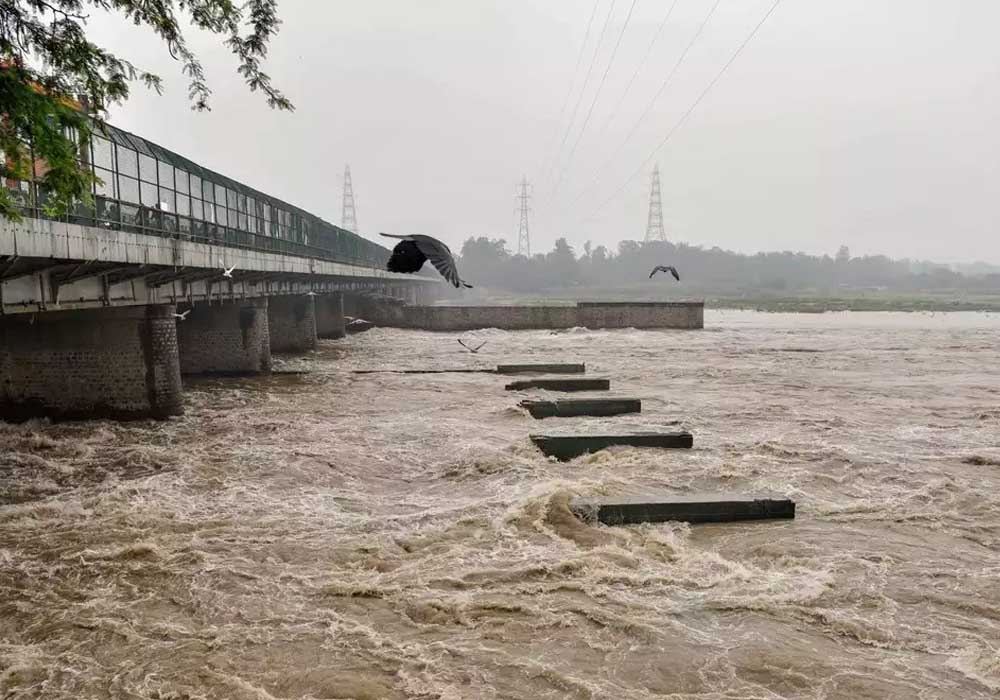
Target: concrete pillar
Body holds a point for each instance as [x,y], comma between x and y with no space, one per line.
[230,338]
[330,315]
[91,363]
[292,320]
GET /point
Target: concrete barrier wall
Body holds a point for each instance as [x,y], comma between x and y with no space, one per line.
[681,315]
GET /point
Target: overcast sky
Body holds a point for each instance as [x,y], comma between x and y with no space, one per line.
[870,123]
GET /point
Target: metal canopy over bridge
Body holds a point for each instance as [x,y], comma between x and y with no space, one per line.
[159,229]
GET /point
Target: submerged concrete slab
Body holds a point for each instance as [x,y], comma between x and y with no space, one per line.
[554,368]
[358,325]
[625,510]
[565,447]
[582,407]
[561,384]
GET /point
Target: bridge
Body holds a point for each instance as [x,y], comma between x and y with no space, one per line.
[89,300]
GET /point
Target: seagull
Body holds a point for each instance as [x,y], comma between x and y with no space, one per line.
[412,252]
[181,317]
[472,350]
[665,268]
[310,294]
[226,272]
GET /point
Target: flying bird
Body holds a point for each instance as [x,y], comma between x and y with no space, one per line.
[181,317]
[412,252]
[665,268]
[470,349]
[226,272]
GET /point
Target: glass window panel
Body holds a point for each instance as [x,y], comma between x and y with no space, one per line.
[252,206]
[196,210]
[166,171]
[233,218]
[128,189]
[220,215]
[181,178]
[231,198]
[243,221]
[267,212]
[107,210]
[127,162]
[184,224]
[147,168]
[130,214]
[209,212]
[108,188]
[195,186]
[207,188]
[170,223]
[149,195]
[242,203]
[104,153]
[183,204]
[220,195]
[167,199]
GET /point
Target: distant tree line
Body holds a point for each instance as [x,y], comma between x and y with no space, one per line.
[491,264]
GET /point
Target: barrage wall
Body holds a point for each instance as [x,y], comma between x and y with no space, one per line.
[680,315]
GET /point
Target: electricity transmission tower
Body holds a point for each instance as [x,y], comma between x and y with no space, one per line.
[348,215]
[654,226]
[523,238]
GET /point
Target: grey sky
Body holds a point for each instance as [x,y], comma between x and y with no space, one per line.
[865,122]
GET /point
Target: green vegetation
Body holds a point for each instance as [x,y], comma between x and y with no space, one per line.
[53,79]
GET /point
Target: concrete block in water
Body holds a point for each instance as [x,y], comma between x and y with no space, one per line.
[582,407]
[556,368]
[358,325]
[561,384]
[565,447]
[692,509]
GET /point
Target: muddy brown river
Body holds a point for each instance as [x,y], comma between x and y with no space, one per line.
[338,535]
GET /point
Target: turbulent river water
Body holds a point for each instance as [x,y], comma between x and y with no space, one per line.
[339,535]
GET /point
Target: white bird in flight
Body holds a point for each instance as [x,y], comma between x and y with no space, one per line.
[473,350]
[226,272]
[181,317]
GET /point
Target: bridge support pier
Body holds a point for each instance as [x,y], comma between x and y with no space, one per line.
[330,315]
[231,338]
[292,322]
[93,363]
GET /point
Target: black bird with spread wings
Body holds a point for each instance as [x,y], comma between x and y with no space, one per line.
[412,252]
[665,268]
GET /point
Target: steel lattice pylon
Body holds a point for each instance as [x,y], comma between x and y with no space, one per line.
[348,214]
[523,237]
[654,225]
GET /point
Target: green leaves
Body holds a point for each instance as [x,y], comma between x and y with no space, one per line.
[53,79]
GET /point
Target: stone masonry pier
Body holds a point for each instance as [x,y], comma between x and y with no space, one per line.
[90,363]
[292,322]
[226,339]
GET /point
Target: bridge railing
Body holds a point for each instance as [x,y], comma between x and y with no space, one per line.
[144,188]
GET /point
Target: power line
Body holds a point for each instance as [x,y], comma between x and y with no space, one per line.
[642,64]
[680,122]
[590,70]
[569,93]
[652,102]
[597,95]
